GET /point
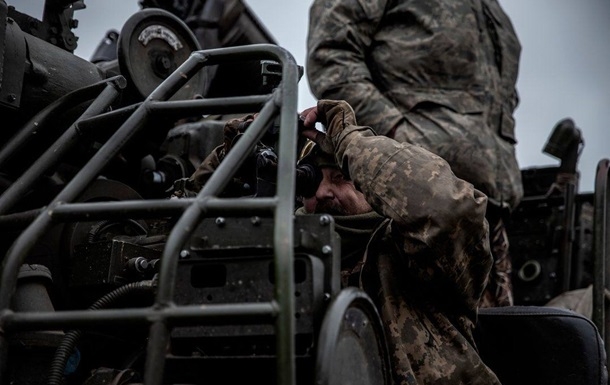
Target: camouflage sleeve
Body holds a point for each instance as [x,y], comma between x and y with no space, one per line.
[340,32]
[438,217]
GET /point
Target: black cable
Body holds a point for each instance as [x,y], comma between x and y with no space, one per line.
[68,343]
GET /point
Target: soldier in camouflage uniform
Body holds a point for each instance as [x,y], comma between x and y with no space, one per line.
[437,73]
[414,237]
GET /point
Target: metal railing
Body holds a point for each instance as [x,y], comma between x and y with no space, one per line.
[600,251]
[164,313]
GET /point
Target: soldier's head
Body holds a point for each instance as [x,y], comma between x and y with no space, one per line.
[335,194]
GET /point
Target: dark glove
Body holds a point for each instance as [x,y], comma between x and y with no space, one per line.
[335,115]
[233,129]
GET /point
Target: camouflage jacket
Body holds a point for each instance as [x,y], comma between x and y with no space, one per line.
[437,73]
[428,263]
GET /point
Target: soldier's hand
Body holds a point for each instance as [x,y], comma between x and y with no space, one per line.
[334,115]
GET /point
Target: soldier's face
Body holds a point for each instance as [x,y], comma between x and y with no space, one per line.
[337,196]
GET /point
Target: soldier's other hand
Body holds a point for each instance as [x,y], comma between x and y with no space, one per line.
[309,118]
[233,129]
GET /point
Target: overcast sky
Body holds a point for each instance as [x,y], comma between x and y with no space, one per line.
[564,64]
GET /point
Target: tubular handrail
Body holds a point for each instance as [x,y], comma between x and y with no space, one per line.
[15,192]
[600,252]
[164,312]
[38,121]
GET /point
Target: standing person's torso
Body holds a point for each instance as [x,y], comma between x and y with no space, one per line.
[451,68]
[437,73]
[446,50]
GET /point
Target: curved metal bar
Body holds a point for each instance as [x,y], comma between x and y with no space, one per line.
[153,208]
[56,151]
[37,123]
[284,100]
[600,251]
[194,213]
[218,314]
[283,236]
[18,252]
[178,108]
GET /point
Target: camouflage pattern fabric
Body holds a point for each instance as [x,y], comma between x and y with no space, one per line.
[428,264]
[499,291]
[437,73]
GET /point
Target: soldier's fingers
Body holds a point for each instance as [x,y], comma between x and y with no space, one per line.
[312,135]
[310,117]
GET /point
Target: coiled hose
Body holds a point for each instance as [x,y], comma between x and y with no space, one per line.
[68,343]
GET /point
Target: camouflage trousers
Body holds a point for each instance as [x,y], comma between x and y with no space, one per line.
[499,290]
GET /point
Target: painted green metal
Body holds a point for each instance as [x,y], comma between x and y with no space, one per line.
[164,313]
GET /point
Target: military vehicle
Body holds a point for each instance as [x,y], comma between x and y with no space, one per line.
[108,280]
